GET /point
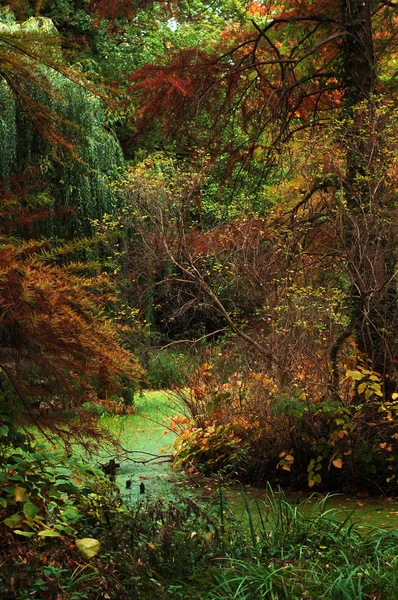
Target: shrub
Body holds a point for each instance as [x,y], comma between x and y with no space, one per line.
[253,428]
[53,515]
[168,369]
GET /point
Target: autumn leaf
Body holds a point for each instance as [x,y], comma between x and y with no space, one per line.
[88,547]
[338,463]
[20,493]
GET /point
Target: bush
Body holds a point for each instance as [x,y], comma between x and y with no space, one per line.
[168,369]
[251,427]
[51,513]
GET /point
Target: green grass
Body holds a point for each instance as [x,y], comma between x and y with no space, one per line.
[240,543]
[301,552]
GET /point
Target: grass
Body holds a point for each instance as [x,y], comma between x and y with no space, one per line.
[287,553]
[298,553]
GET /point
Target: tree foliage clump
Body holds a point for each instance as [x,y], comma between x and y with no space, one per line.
[59,346]
[52,120]
[56,343]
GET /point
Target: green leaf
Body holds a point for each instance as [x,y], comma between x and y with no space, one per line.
[39,457]
[3,502]
[88,547]
[49,533]
[24,533]
[311,466]
[13,521]
[362,387]
[30,510]
[70,515]
[65,528]
[4,430]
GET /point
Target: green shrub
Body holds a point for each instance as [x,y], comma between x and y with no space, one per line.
[168,369]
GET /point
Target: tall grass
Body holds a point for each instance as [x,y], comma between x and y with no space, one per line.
[302,551]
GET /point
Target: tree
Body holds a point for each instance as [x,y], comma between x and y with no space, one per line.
[307,67]
[58,345]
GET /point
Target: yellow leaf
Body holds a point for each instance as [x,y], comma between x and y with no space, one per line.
[338,463]
[88,547]
[289,458]
[356,375]
[20,493]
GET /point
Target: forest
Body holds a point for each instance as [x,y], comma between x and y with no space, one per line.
[198,215]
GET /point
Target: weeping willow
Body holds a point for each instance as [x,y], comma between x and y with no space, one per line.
[80,179]
[84,184]
[8,132]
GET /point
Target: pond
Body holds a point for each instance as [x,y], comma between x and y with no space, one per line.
[146,436]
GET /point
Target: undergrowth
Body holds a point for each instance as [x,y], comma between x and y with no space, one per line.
[66,534]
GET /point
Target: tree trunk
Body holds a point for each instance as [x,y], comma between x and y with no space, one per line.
[367,235]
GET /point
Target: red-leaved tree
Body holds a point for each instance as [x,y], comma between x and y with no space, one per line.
[306,66]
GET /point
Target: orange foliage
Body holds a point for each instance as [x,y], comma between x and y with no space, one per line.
[54,340]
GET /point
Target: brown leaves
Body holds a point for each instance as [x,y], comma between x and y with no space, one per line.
[55,342]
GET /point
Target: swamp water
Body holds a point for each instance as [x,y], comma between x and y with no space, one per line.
[145,434]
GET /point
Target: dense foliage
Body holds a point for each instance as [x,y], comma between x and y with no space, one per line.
[174,551]
[205,190]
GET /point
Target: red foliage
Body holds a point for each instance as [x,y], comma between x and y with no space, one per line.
[170,89]
[252,78]
[56,345]
[51,321]
[236,235]
[17,216]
